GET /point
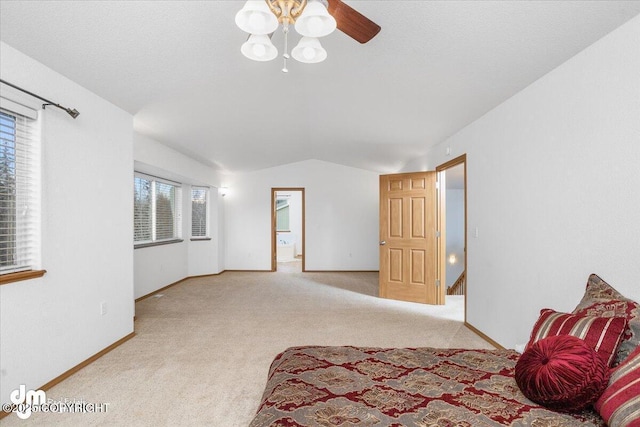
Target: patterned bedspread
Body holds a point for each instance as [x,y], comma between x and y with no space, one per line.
[356,386]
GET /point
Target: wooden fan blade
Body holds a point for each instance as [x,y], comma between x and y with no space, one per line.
[353,23]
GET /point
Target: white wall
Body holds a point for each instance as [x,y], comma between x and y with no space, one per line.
[553,180]
[341,216]
[159,266]
[51,324]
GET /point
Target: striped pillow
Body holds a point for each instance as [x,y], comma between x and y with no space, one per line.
[601,333]
[619,405]
[601,299]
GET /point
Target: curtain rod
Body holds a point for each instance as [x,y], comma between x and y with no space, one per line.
[72,112]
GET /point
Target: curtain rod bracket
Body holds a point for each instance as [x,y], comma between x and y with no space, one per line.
[70,111]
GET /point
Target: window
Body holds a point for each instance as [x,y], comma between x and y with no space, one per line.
[157,213]
[282,215]
[199,213]
[19,196]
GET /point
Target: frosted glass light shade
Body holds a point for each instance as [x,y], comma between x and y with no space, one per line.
[259,48]
[315,21]
[256,18]
[309,50]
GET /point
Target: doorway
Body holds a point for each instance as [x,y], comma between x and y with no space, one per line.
[453,248]
[287,230]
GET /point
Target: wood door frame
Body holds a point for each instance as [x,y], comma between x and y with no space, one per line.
[274,253]
[442,243]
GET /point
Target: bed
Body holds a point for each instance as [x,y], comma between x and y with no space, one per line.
[357,386]
[595,383]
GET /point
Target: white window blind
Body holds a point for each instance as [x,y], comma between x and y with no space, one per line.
[142,212]
[19,193]
[157,212]
[282,215]
[166,215]
[199,212]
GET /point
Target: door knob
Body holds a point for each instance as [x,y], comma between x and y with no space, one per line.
[382,242]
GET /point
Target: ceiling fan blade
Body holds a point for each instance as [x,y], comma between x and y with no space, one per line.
[353,23]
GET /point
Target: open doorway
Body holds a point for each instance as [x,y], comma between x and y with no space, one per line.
[287,230]
[453,248]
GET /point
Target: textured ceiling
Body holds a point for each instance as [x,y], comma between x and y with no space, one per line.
[435,67]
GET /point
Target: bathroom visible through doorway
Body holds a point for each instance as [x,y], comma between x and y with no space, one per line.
[287,230]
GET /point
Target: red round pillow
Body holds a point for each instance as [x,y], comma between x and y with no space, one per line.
[562,373]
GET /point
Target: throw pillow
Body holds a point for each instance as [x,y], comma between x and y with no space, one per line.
[619,405]
[603,334]
[563,373]
[601,299]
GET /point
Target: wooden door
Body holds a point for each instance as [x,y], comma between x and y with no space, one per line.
[408,238]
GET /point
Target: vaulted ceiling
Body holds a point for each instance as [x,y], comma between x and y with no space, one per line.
[435,67]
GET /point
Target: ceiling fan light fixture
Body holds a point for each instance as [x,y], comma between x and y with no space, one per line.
[256,18]
[309,51]
[259,48]
[310,18]
[315,20]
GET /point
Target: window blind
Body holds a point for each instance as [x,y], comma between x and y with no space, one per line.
[157,214]
[199,212]
[19,193]
[282,216]
[166,215]
[142,213]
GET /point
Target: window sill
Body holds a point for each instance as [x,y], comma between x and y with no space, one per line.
[163,242]
[195,239]
[21,275]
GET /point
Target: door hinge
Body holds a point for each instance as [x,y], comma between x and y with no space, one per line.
[437,283]
[437,233]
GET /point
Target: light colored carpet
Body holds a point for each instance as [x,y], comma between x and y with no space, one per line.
[203,350]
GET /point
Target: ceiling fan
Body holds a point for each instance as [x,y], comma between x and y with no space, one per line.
[353,23]
[312,19]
